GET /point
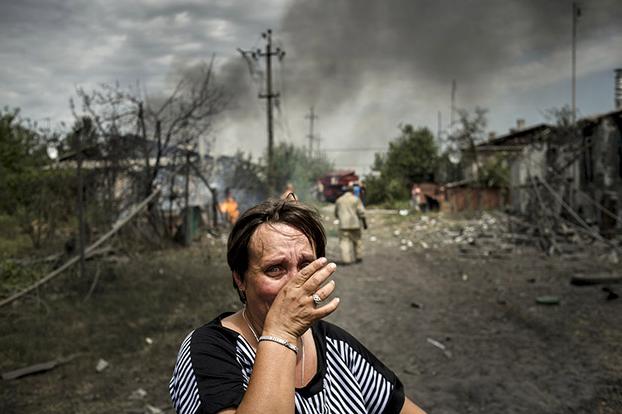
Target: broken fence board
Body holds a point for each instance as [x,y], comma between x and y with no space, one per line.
[89,251]
[36,368]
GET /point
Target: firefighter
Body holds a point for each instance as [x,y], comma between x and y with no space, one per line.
[351,214]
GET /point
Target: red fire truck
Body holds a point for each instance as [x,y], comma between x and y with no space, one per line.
[330,187]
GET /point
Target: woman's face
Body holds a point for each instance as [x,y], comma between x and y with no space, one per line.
[276,253]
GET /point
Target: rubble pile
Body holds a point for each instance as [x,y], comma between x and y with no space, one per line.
[489,233]
[434,231]
[563,238]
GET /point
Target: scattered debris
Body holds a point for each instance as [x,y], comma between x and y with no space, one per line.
[150,409]
[138,394]
[37,368]
[102,364]
[547,300]
[416,305]
[611,295]
[403,212]
[149,341]
[373,238]
[595,279]
[440,346]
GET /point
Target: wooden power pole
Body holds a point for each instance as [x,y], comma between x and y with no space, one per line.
[453,104]
[270,96]
[576,12]
[311,117]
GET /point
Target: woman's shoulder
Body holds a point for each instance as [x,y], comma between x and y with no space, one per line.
[340,340]
[214,332]
[331,331]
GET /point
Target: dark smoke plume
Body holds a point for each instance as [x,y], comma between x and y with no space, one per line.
[367,65]
[338,46]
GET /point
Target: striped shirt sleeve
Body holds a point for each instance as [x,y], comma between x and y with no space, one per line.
[207,377]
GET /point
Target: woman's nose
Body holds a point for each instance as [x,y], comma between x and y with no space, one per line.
[291,273]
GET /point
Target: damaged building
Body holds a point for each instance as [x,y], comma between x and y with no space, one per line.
[574,171]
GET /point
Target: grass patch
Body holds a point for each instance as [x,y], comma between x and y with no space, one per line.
[13,242]
[393,205]
[161,295]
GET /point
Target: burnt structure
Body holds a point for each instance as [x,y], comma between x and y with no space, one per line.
[573,172]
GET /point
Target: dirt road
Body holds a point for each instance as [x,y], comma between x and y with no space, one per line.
[503,351]
[423,286]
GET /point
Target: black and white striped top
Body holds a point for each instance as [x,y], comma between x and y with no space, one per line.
[215,363]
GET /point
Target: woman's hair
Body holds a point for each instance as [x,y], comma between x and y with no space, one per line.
[272,211]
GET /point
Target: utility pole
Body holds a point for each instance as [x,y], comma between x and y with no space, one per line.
[576,13]
[318,140]
[269,96]
[453,103]
[311,117]
[439,127]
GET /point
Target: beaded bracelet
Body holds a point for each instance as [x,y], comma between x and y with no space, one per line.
[279,341]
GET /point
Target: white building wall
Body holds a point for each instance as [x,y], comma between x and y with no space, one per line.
[530,162]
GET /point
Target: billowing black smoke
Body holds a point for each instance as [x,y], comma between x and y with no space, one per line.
[337,46]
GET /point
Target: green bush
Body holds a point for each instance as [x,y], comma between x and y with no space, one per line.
[14,277]
[13,242]
[40,201]
[385,191]
[411,158]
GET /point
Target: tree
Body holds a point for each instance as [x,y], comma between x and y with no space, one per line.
[20,151]
[31,190]
[132,126]
[494,171]
[471,131]
[294,165]
[565,145]
[412,157]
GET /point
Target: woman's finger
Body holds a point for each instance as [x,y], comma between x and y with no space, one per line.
[325,291]
[327,309]
[315,281]
[308,271]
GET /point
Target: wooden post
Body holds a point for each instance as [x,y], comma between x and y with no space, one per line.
[188,216]
[81,225]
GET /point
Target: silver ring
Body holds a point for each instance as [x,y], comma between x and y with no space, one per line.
[317,299]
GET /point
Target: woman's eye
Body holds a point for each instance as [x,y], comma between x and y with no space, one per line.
[273,269]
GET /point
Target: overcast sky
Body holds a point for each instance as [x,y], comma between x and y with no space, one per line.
[365,66]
